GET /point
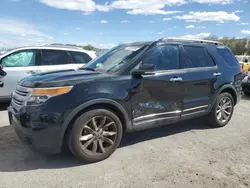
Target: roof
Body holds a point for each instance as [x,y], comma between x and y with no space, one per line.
[54,47]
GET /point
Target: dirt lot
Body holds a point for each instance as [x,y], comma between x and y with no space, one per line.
[188,154]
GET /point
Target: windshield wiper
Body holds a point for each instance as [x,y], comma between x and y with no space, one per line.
[87,68]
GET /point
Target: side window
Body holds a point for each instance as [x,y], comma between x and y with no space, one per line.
[195,57]
[228,56]
[80,57]
[54,57]
[20,59]
[164,57]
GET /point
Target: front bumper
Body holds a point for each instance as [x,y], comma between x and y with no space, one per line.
[39,136]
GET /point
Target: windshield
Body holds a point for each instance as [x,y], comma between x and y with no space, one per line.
[115,59]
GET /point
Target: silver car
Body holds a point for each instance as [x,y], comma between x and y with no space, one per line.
[23,62]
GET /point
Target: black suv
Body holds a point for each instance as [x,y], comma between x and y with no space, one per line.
[131,87]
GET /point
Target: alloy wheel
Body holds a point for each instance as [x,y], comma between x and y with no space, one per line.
[224,109]
[98,135]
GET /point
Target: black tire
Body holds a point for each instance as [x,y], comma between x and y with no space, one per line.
[80,150]
[213,118]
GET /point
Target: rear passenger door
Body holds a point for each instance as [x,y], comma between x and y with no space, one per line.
[200,78]
[79,59]
[53,60]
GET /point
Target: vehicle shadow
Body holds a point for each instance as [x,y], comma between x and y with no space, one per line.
[16,157]
[245,97]
[4,106]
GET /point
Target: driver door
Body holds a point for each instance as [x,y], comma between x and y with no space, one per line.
[158,98]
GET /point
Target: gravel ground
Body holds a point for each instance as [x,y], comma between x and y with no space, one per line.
[187,154]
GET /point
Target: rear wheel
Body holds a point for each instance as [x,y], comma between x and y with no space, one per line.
[95,135]
[222,110]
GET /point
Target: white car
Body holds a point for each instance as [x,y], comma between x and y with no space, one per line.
[22,62]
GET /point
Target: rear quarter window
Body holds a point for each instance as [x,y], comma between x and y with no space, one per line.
[228,57]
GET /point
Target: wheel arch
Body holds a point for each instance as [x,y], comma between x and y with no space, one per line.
[109,104]
[228,89]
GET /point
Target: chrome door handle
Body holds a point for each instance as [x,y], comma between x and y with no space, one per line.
[175,79]
[31,72]
[217,74]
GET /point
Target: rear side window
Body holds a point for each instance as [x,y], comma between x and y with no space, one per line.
[55,57]
[195,57]
[228,56]
[80,57]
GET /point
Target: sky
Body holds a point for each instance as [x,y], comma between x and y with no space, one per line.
[106,23]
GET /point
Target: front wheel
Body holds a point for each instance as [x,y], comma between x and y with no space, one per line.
[222,110]
[95,135]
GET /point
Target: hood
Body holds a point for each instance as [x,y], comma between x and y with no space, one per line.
[61,78]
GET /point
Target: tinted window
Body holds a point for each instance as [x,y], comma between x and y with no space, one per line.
[228,56]
[20,59]
[54,57]
[196,57]
[80,57]
[164,57]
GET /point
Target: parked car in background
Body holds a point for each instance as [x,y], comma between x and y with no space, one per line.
[246,84]
[245,63]
[22,62]
[132,87]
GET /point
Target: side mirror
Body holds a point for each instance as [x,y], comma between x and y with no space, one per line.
[2,72]
[145,69]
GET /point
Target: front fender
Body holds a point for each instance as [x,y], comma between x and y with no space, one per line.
[83,106]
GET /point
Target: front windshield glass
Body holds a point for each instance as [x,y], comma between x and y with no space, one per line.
[116,58]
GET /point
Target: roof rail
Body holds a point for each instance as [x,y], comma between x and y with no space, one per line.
[192,40]
[62,46]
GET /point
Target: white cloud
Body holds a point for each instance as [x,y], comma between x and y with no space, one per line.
[17,27]
[15,33]
[197,36]
[244,23]
[65,33]
[245,32]
[134,7]
[238,11]
[151,21]
[80,5]
[160,33]
[124,21]
[104,21]
[190,26]
[78,28]
[167,19]
[223,2]
[219,16]
[146,7]
[193,27]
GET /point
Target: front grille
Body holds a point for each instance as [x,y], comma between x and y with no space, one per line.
[20,96]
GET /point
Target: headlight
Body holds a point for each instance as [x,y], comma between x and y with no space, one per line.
[40,95]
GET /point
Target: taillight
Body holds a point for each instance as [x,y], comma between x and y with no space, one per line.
[242,68]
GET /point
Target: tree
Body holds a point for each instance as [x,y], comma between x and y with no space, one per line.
[89,47]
